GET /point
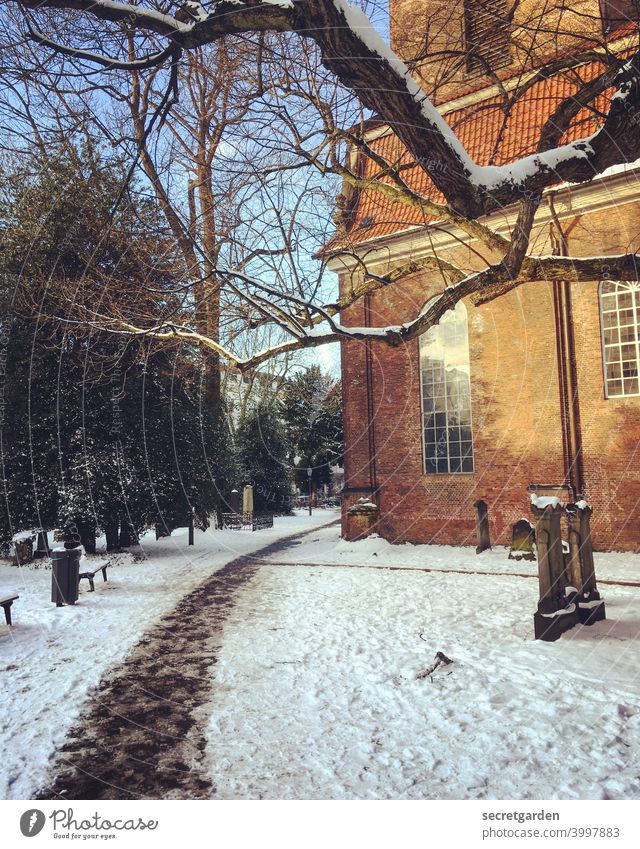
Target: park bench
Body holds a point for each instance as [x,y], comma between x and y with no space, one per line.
[6,600]
[91,568]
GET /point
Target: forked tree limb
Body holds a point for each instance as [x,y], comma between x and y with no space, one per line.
[440,660]
[480,287]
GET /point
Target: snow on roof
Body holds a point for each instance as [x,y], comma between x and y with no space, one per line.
[487,138]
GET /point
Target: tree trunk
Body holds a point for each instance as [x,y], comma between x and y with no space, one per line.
[162,530]
[87,533]
[128,535]
[111,532]
[207,293]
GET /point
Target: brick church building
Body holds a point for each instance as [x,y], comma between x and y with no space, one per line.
[539,385]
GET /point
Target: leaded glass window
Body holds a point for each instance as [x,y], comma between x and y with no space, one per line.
[620,317]
[446,395]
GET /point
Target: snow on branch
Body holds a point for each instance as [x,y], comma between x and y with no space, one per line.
[353,50]
[140,17]
[480,287]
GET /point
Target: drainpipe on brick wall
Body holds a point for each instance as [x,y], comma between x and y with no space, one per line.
[567,369]
[371,433]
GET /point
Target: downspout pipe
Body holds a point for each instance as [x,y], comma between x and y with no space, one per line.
[371,431]
[567,370]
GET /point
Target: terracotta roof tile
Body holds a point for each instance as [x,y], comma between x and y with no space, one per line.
[487,136]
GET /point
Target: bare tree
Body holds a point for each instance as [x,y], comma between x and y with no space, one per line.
[190,178]
[122,36]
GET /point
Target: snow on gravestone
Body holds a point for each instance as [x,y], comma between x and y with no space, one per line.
[362,519]
[523,537]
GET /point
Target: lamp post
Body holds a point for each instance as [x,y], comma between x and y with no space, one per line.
[191,525]
[309,476]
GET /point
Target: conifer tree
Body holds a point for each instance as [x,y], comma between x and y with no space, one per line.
[263,460]
[100,431]
[312,410]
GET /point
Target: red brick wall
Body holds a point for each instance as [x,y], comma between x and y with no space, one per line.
[610,427]
[515,408]
[355,414]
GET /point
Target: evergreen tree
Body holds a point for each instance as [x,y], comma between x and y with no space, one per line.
[99,431]
[312,411]
[262,455]
[187,442]
[29,449]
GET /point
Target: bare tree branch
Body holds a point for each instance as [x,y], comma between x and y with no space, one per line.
[359,57]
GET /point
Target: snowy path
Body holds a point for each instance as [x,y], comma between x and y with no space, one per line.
[53,659]
[141,736]
[273,677]
[326,547]
[315,693]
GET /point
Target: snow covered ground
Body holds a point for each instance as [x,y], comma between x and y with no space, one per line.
[53,657]
[327,547]
[315,693]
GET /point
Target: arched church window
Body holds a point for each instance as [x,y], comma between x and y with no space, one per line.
[446,395]
[620,317]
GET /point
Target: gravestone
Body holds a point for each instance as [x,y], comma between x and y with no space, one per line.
[234,501]
[568,591]
[362,519]
[523,537]
[42,545]
[555,614]
[482,527]
[591,607]
[22,549]
[247,501]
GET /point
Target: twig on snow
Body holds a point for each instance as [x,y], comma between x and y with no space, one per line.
[440,660]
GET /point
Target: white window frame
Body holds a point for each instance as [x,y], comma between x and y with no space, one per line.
[620,288]
[462,312]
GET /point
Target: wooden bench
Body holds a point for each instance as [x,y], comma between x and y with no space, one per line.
[6,601]
[90,570]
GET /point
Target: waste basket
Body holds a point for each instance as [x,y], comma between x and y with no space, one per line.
[65,575]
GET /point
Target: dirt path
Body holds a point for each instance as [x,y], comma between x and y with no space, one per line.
[142,735]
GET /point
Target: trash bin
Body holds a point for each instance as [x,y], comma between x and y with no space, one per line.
[65,575]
